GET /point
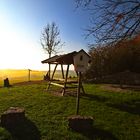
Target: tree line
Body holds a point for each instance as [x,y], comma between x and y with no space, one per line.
[115,28]
[112,21]
[109,60]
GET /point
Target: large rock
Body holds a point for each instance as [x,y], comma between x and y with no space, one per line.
[6,83]
[13,116]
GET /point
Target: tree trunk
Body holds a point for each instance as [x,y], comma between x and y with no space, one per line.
[49,67]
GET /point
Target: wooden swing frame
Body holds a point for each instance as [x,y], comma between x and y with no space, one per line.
[66,59]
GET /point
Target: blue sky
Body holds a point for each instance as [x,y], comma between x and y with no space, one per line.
[21,23]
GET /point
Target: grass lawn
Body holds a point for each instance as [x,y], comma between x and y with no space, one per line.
[116,113]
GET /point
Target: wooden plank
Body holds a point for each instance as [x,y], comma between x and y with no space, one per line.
[60,85]
[56,84]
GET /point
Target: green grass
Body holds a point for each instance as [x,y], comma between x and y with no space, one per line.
[116,114]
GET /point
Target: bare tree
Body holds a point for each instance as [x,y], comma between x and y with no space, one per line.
[112,20]
[50,40]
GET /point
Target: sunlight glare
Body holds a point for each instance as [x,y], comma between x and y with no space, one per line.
[16,50]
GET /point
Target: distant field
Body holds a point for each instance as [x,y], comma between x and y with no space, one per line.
[16,76]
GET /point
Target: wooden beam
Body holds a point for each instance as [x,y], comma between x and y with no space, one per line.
[52,77]
[54,71]
[62,71]
[78,93]
[82,88]
[81,85]
[63,92]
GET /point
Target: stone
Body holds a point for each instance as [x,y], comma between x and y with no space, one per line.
[6,82]
[13,116]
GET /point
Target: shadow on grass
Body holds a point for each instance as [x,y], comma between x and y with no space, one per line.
[96,133]
[25,130]
[128,87]
[95,97]
[132,107]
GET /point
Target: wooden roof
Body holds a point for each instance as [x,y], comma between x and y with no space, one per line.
[61,59]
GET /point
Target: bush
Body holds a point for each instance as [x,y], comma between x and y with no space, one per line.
[113,60]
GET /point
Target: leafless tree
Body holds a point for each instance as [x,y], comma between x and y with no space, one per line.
[50,40]
[112,20]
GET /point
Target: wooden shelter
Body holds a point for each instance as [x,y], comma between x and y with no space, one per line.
[66,59]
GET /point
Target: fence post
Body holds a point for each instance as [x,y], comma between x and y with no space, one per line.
[78,93]
[29,75]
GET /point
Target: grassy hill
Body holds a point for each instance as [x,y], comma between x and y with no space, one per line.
[116,113]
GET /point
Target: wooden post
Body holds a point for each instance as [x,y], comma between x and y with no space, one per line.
[78,93]
[63,92]
[29,75]
[81,85]
[62,71]
[52,76]
[54,71]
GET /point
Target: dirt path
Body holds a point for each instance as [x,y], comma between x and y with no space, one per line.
[117,88]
